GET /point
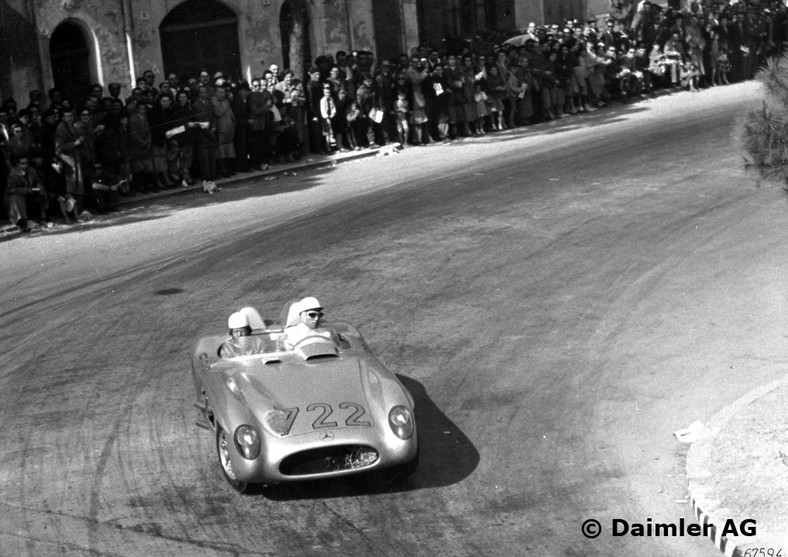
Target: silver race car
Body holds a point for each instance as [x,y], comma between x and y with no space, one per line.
[323,408]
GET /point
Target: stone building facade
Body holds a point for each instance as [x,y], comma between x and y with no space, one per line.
[73,43]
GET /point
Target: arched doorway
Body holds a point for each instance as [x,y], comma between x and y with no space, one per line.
[294,30]
[200,34]
[70,56]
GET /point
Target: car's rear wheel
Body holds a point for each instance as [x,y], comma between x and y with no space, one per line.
[223,447]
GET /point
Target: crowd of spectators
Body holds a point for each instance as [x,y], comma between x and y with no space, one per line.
[62,156]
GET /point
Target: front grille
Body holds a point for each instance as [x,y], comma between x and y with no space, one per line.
[329,459]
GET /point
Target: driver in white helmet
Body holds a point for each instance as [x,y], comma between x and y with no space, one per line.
[310,312]
[241,341]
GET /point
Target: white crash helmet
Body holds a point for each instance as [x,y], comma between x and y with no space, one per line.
[309,303]
[238,320]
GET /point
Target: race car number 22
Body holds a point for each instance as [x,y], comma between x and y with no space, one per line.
[325,415]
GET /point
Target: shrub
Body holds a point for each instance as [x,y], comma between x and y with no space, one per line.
[763,132]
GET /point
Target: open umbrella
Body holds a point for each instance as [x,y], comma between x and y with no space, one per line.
[519,40]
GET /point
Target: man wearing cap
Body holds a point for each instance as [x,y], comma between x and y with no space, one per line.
[309,314]
[241,341]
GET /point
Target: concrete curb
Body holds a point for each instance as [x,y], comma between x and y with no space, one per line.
[700,483]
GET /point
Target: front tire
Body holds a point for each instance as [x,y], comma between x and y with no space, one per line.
[223,448]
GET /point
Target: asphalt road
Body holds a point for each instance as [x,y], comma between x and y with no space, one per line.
[559,300]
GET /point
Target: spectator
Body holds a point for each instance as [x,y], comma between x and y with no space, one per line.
[383,103]
[496,91]
[673,58]
[184,118]
[68,141]
[402,113]
[114,90]
[161,118]
[365,97]
[293,109]
[174,81]
[642,65]
[340,121]
[241,115]
[19,144]
[468,94]
[259,105]
[353,117]
[224,124]
[23,187]
[206,137]
[417,75]
[106,187]
[314,95]
[328,112]
[337,82]
[440,116]
[549,90]
[139,138]
[113,149]
[87,152]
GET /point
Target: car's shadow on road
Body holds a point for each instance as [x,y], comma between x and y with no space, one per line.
[447,457]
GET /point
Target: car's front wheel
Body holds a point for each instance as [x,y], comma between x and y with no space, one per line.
[223,448]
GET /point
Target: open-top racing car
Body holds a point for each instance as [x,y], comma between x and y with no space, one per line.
[325,407]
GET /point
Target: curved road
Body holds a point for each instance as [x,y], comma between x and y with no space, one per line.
[559,300]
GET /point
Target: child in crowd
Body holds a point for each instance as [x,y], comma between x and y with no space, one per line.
[496,91]
[690,76]
[175,163]
[723,66]
[401,109]
[481,107]
[352,132]
[328,112]
[107,188]
[341,122]
[643,65]
[550,86]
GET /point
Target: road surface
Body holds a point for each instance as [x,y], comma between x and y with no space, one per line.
[559,299]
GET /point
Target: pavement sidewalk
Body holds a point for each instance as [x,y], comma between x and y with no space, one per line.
[271,173]
[9,231]
[737,472]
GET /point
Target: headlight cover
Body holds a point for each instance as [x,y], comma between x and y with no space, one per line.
[247,441]
[401,422]
[279,421]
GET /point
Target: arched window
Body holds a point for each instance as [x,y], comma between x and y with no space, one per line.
[200,34]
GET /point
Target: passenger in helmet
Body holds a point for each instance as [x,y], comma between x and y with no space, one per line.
[241,341]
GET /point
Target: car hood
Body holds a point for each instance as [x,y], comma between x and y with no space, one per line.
[327,383]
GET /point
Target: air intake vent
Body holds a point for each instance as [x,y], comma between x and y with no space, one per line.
[329,459]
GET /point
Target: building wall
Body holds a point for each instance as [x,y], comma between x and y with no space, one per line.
[103,25]
[110,25]
[527,11]
[19,53]
[441,19]
[544,12]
